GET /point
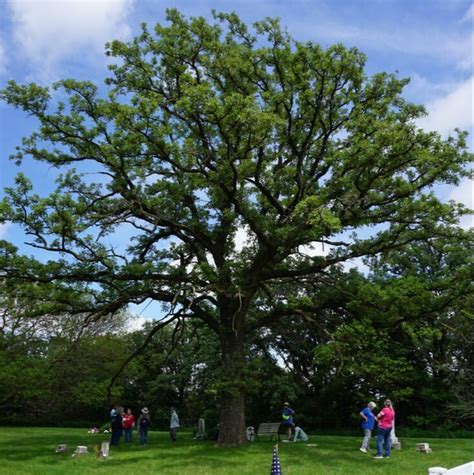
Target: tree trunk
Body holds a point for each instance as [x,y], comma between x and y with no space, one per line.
[232,385]
[232,420]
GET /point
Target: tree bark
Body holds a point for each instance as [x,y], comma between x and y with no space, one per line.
[232,387]
[232,420]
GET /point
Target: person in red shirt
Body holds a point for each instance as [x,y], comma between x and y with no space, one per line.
[385,423]
[128,421]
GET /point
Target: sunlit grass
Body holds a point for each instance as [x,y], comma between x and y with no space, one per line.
[31,451]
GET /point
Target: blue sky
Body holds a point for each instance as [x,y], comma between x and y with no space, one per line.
[430,41]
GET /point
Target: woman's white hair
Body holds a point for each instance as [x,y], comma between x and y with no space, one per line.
[387,403]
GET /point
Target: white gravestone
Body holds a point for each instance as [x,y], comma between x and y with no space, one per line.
[423,447]
[396,444]
[104,449]
[80,450]
[62,449]
[201,433]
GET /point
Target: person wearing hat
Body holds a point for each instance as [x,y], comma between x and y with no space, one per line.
[368,423]
[287,419]
[143,426]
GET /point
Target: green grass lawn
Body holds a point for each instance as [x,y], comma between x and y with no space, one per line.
[31,451]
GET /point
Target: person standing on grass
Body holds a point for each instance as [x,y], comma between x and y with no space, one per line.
[116,424]
[128,421]
[385,423]
[143,426]
[367,425]
[174,424]
[287,419]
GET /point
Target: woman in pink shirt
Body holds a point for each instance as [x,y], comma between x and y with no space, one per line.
[385,422]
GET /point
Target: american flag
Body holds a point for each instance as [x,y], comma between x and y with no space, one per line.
[276,467]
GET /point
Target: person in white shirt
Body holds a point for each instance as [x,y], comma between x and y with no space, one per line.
[300,434]
[174,424]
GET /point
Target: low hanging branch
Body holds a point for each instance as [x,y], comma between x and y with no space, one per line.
[161,324]
[177,335]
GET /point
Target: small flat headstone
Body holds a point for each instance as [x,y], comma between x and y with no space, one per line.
[62,449]
[81,450]
[437,471]
[423,447]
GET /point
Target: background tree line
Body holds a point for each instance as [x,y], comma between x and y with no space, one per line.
[403,331]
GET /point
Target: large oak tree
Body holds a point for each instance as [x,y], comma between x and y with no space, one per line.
[207,130]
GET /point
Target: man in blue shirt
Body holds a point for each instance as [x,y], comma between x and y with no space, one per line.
[367,425]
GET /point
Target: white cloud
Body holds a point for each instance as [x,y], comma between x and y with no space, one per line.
[356,263]
[314,249]
[242,238]
[48,31]
[464,193]
[3,230]
[136,323]
[452,110]
[452,47]
[422,90]
[465,60]
[469,16]
[3,59]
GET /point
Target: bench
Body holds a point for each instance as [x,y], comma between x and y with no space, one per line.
[268,428]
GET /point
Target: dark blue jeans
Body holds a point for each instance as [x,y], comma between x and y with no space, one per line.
[383,437]
[127,435]
[143,436]
[116,433]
